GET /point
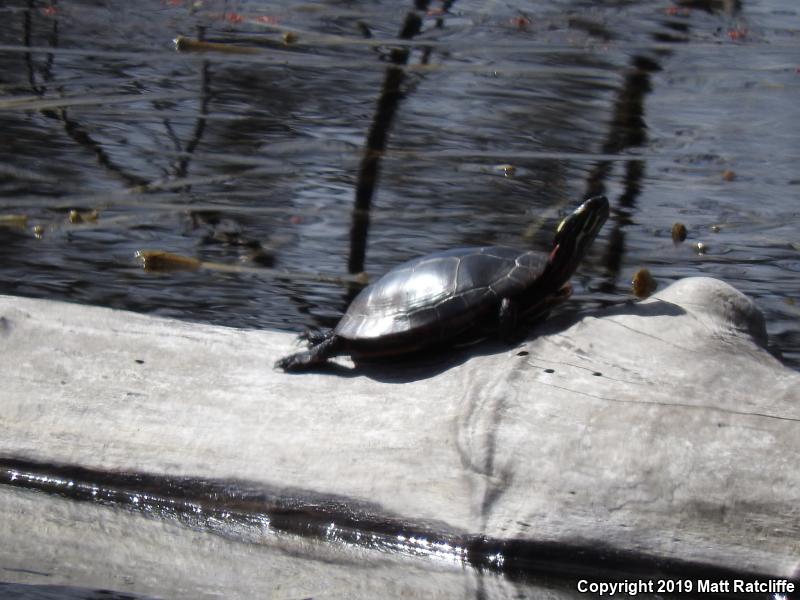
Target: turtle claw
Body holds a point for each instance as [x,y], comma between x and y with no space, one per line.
[317,354]
[299,361]
[290,363]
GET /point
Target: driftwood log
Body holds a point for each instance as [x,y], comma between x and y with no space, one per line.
[164,458]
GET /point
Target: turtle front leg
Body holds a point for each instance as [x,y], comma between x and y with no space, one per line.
[318,354]
[541,310]
[507,318]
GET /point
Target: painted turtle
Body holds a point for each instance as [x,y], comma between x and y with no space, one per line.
[456,295]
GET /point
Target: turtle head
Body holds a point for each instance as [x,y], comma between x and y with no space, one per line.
[574,235]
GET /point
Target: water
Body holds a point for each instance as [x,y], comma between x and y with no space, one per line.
[253,159]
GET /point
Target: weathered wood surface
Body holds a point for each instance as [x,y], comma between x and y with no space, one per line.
[662,427]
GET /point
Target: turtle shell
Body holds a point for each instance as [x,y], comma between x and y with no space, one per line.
[438,296]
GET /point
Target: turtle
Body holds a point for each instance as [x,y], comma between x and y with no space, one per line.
[454,296]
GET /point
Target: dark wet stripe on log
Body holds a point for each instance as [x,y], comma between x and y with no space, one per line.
[246,511]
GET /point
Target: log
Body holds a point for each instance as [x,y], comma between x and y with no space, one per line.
[651,437]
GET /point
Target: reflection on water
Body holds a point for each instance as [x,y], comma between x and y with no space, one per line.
[253,157]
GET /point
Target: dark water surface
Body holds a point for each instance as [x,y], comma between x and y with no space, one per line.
[678,112]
